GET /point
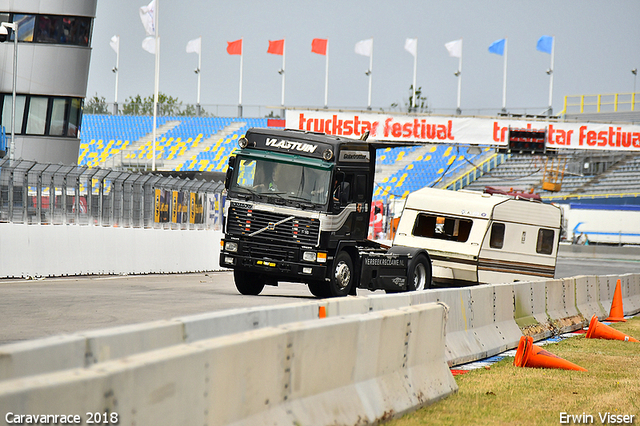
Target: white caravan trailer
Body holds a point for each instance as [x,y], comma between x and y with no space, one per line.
[476,238]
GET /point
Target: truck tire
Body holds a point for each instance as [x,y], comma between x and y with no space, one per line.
[419,273]
[319,289]
[342,275]
[248,283]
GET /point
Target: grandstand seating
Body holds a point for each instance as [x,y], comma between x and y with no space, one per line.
[188,140]
[205,144]
[431,165]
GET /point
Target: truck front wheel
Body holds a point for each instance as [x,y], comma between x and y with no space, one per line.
[419,275]
[342,275]
[248,283]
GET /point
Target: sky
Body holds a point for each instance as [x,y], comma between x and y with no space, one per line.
[597,44]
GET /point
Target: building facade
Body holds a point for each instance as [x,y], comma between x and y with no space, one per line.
[54,51]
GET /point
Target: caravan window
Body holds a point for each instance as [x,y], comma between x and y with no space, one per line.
[442,227]
[496,240]
[545,241]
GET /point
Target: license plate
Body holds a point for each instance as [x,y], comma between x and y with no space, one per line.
[266,263]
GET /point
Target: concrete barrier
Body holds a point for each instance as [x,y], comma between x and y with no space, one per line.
[531,309]
[561,306]
[587,300]
[52,250]
[221,323]
[606,288]
[630,293]
[483,321]
[343,370]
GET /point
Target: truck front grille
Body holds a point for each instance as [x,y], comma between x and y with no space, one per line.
[273,227]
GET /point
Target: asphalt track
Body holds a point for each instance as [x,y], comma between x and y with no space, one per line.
[37,308]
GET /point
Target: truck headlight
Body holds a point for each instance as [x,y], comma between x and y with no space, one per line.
[321,257]
[231,246]
[309,256]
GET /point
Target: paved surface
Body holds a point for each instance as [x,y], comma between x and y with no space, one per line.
[38,308]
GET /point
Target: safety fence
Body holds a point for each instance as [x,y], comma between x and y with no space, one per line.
[55,194]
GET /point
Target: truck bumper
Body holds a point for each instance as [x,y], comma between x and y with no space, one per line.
[279,270]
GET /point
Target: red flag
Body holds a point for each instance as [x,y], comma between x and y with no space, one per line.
[234,47]
[276,47]
[319,46]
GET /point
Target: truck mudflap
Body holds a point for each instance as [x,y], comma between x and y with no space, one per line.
[384,271]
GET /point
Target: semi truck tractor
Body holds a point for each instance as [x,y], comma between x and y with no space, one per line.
[297,210]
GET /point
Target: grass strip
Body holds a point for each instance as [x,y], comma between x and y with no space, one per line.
[503,394]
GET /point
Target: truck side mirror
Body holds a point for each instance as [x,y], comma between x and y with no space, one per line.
[230,167]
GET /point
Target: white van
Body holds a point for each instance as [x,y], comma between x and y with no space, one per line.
[476,238]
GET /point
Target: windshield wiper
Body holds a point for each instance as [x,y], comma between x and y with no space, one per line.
[257,194]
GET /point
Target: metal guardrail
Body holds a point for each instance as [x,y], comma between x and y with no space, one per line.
[54,194]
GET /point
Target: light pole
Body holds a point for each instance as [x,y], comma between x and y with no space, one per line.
[633,95]
[4,31]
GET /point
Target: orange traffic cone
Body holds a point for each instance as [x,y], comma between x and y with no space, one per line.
[616,314]
[530,355]
[597,330]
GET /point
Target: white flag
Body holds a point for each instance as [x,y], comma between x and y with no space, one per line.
[364,47]
[149,44]
[454,48]
[411,46]
[115,43]
[147,17]
[194,45]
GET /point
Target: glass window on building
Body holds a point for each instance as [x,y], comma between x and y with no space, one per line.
[58,111]
[49,29]
[46,115]
[6,112]
[26,27]
[37,115]
[76,30]
[75,116]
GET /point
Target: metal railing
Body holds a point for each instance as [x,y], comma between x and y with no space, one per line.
[54,194]
[476,172]
[610,102]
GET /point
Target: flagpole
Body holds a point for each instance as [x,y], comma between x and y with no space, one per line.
[370,74]
[458,110]
[326,77]
[240,91]
[116,71]
[415,69]
[553,43]
[156,85]
[283,74]
[199,72]
[504,78]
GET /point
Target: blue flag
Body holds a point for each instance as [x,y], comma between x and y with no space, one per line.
[545,44]
[497,47]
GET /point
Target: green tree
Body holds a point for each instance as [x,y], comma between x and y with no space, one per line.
[167,105]
[96,105]
[190,111]
[421,104]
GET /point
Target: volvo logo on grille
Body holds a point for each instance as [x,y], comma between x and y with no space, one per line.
[271,226]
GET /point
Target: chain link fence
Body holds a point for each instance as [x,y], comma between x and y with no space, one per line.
[54,194]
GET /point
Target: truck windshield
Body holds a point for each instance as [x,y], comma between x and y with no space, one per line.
[283,180]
